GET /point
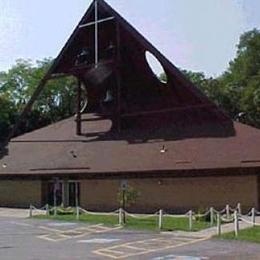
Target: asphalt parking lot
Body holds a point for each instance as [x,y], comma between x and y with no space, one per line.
[27,239]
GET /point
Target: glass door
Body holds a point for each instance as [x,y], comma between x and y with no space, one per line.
[74,193]
[50,191]
[67,193]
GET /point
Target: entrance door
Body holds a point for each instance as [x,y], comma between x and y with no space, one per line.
[74,194]
[67,193]
[59,193]
[258,187]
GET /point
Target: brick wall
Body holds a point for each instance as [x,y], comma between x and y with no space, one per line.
[178,194]
[20,193]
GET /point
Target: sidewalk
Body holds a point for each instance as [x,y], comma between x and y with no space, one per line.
[14,212]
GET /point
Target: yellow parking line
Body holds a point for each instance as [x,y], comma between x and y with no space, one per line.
[110,253]
[145,251]
[138,241]
[45,237]
[82,231]
[50,229]
[103,230]
[133,247]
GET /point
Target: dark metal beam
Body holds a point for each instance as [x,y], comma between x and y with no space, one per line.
[160,111]
[118,77]
[78,119]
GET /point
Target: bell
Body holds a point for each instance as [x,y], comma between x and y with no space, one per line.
[83,57]
[98,75]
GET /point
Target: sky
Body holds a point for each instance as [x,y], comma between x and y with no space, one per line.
[198,35]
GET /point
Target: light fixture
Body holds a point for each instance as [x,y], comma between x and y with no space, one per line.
[163,149]
[4,165]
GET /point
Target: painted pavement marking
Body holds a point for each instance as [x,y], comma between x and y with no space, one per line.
[145,247]
[54,237]
[180,257]
[59,234]
[20,224]
[62,224]
[99,240]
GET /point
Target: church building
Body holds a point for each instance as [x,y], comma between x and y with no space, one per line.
[163,138]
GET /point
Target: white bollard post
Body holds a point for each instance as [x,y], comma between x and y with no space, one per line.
[236,223]
[47,210]
[55,211]
[239,208]
[219,224]
[227,211]
[211,216]
[253,216]
[190,219]
[120,217]
[77,212]
[30,211]
[160,219]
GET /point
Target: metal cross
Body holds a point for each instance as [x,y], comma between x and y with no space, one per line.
[95,23]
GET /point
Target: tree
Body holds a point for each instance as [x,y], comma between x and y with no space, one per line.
[241,82]
[55,102]
[7,115]
[128,196]
[237,90]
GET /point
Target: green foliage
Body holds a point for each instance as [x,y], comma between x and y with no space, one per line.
[241,82]
[7,115]
[17,86]
[237,90]
[169,223]
[163,77]
[129,196]
[250,235]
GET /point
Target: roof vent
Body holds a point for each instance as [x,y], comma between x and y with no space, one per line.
[74,155]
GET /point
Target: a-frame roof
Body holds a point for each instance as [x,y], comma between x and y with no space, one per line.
[144,100]
[191,135]
[178,101]
[65,59]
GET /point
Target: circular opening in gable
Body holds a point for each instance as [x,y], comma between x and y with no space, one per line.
[156,67]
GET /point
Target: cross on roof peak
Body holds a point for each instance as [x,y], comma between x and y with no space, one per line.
[139,98]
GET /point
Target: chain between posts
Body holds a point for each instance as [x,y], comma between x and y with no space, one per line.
[224,215]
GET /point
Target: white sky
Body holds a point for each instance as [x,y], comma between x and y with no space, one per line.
[199,35]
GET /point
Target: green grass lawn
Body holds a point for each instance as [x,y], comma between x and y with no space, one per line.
[250,234]
[169,223]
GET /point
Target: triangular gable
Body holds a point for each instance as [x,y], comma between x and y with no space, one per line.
[144,43]
[141,100]
[134,45]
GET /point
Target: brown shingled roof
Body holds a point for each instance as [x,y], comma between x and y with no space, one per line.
[56,149]
[167,128]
